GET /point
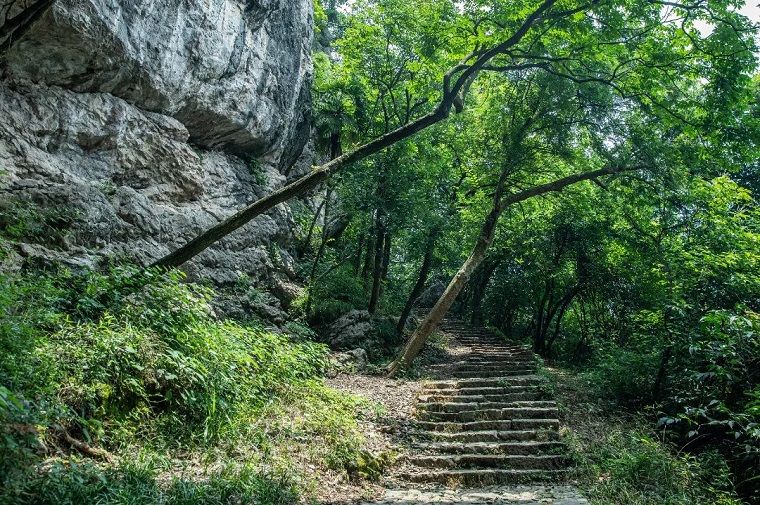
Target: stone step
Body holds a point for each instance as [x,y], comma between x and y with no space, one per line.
[474,460]
[486,351]
[488,435]
[522,448]
[511,367]
[484,374]
[484,341]
[501,356]
[484,391]
[529,393]
[493,365]
[491,414]
[486,365]
[457,406]
[474,359]
[485,382]
[482,477]
[489,425]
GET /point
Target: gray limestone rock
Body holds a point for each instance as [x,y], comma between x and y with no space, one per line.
[235,73]
[351,330]
[130,127]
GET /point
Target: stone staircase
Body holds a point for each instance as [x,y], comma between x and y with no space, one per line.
[487,420]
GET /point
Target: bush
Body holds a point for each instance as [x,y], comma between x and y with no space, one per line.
[336,294]
[137,483]
[137,360]
[622,375]
[631,467]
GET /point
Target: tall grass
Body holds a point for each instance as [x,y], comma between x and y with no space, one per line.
[96,368]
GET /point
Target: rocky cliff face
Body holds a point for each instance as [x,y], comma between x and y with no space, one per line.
[146,122]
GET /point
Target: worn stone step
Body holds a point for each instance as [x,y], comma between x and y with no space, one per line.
[493,365]
[485,342]
[528,393]
[485,365]
[484,374]
[488,425]
[485,382]
[505,356]
[491,352]
[473,460]
[488,435]
[482,477]
[457,406]
[528,447]
[484,391]
[495,360]
[491,414]
[512,367]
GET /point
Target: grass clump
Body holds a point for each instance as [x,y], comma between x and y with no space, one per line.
[625,465]
[98,367]
[620,460]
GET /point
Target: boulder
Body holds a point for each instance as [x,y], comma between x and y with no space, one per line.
[355,360]
[351,330]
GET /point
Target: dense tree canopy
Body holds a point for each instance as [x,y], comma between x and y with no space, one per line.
[646,274]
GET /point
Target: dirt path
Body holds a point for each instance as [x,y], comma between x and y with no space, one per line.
[482,430]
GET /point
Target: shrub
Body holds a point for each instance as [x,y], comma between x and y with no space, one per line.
[628,466]
[135,361]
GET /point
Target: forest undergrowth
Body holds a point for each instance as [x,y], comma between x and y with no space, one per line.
[122,387]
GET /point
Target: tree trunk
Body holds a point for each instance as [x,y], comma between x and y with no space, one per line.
[434,317]
[539,318]
[377,270]
[456,82]
[662,372]
[358,256]
[321,250]
[436,314]
[427,262]
[307,242]
[386,263]
[565,304]
[479,290]
[368,255]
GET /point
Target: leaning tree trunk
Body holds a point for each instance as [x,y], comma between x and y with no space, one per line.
[434,317]
[455,84]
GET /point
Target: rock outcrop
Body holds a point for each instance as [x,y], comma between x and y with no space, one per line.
[147,122]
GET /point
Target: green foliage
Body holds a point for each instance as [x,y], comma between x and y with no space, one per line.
[25,221]
[631,467]
[78,481]
[260,177]
[135,359]
[336,294]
